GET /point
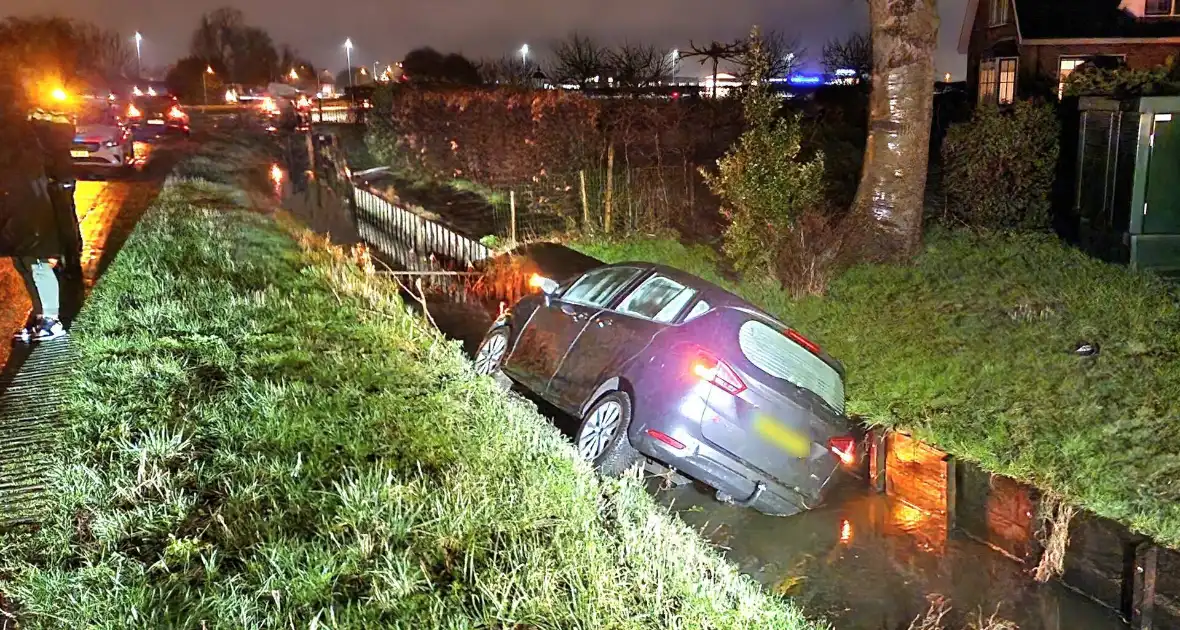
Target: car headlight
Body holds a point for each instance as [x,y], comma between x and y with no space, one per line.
[110,144]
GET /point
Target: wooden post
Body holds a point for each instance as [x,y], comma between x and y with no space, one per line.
[585,202]
[877,457]
[610,183]
[1143,597]
[512,217]
[952,494]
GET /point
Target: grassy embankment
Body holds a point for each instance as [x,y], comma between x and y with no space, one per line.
[972,348]
[260,435]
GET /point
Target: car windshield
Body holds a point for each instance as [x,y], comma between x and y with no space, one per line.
[98,114]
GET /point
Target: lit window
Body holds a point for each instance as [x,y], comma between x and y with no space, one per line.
[1158,7]
[999,12]
[1007,81]
[1065,67]
[987,81]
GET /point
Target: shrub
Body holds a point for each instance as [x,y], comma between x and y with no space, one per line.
[762,182]
[1122,81]
[999,167]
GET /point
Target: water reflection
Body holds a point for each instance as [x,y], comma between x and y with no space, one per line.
[870,562]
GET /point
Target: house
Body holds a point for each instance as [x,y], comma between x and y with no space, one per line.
[1021,48]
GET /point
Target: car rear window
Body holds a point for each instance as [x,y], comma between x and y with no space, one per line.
[772,352]
[659,298]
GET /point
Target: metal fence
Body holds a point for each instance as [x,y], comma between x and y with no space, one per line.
[413,241]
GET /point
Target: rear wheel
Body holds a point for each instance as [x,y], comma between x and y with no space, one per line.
[602,437]
[490,355]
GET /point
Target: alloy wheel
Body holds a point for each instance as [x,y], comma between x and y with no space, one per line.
[491,353]
[597,432]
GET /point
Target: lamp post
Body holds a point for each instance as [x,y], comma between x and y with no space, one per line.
[348,53]
[138,55]
[204,85]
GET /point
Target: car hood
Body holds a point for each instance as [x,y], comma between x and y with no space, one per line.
[96,133]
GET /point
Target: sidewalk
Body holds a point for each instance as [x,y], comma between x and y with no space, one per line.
[30,392]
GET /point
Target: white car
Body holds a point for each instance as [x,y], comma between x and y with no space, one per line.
[102,139]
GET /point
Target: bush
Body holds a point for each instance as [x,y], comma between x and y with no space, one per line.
[1122,81]
[999,167]
[763,184]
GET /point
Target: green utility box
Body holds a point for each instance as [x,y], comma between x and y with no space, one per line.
[1127,182]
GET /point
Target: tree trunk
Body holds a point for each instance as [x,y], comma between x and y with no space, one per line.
[887,212]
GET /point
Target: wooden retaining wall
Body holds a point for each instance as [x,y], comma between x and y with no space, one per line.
[1104,561]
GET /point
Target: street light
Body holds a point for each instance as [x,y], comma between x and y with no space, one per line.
[348,53]
[524,54]
[138,55]
[204,84]
[675,60]
[294,75]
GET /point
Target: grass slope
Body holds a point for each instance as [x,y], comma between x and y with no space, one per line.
[261,436]
[972,347]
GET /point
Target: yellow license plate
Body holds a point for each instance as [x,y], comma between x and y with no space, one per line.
[80,154]
[784,437]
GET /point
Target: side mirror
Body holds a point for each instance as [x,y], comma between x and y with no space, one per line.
[547,286]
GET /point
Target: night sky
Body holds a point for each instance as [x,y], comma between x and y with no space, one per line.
[384,31]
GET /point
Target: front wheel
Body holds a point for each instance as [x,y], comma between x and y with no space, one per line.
[490,355]
[602,437]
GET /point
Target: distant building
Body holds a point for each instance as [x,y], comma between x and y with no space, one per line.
[1016,48]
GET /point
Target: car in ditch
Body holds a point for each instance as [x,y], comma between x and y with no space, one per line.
[101,138]
[656,363]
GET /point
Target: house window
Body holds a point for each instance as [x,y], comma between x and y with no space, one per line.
[1065,67]
[1007,81]
[999,12]
[1158,7]
[987,81]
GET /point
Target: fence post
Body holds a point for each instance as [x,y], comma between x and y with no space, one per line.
[1143,594]
[585,202]
[512,217]
[610,184]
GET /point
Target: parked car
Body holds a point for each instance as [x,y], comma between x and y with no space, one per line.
[152,116]
[658,363]
[101,137]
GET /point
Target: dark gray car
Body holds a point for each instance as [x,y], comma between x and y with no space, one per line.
[662,364]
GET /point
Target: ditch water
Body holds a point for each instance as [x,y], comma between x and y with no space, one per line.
[863,561]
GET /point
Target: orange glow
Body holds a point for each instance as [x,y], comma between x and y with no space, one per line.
[908,516]
[133,111]
[276,173]
[536,281]
[268,105]
[175,112]
[60,95]
[845,531]
[705,372]
[848,457]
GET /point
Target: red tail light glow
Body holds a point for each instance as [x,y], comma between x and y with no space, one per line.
[843,447]
[175,112]
[713,370]
[794,335]
[133,111]
[666,439]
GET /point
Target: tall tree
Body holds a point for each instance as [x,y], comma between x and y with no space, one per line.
[638,65]
[889,200]
[578,60]
[782,54]
[716,52]
[247,52]
[427,65]
[63,47]
[854,52]
[508,70]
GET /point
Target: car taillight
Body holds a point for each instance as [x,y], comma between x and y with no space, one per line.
[133,112]
[844,448]
[713,370]
[175,112]
[811,346]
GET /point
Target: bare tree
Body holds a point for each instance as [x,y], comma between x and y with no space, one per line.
[638,65]
[889,201]
[247,52]
[578,60]
[782,53]
[508,70]
[715,52]
[852,53]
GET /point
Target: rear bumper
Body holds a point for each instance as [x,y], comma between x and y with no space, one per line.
[106,156]
[727,474]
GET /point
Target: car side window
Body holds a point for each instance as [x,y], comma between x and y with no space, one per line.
[700,308]
[599,287]
[659,298]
